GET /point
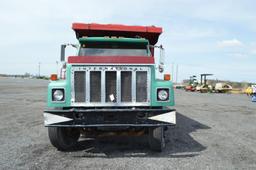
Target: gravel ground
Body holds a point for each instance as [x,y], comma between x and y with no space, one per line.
[214,131]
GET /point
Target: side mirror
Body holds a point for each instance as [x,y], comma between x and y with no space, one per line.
[161,59]
[62,52]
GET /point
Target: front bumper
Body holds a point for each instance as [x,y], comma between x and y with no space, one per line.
[110,117]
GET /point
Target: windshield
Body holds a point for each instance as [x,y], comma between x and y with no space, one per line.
[122,49]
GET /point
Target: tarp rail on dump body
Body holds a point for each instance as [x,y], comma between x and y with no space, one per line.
[150,33]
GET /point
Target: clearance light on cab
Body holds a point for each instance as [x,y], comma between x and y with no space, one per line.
[167,77]
[54,77]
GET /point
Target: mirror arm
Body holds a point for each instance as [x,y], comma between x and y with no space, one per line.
[62,51]
[161,59]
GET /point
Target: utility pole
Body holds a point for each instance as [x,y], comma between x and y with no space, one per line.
[39,69]
[177,69]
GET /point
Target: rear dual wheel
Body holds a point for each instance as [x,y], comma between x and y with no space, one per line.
[63,138]
[156,139]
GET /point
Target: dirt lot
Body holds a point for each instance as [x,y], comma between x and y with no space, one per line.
[214,131]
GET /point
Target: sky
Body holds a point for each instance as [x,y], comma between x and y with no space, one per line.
[217,37]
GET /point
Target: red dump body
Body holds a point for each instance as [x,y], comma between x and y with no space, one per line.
[151,33]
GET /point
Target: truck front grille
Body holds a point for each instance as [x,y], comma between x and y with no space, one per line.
[141,86]
[79,83]
[95,86]
[110,86]
[126,89]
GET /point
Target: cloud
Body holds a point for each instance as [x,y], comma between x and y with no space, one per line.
[230,43]
[253,52]
[239,55]
[252,48]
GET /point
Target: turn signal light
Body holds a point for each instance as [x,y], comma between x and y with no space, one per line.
[167,77]
[54,77]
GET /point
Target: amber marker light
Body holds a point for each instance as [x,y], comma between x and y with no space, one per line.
[54,77]
[167,77]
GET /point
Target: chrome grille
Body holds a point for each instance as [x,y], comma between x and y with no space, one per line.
[141,86]
[110,86]
[95,86]
[126,86]
[79,83]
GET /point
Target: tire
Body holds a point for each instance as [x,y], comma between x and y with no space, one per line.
[156,139]
[63,138]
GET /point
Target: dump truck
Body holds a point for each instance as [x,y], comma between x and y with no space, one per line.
[110,85]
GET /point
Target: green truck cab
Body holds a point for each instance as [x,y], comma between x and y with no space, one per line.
[110,84]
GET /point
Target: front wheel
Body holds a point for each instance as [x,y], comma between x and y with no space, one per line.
[156,139]
[63,138]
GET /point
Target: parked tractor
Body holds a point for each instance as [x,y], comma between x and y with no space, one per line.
[192,84]
[249,91]
[203,87]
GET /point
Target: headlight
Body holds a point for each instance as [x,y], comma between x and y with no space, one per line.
[58,94]
[162,94]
